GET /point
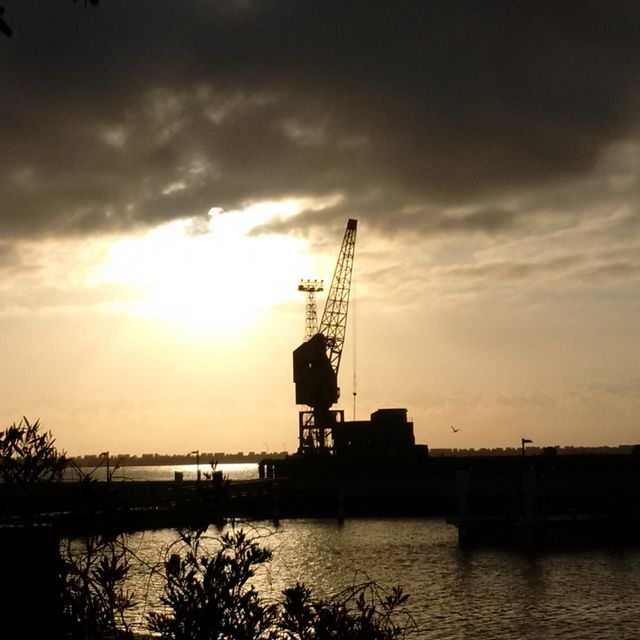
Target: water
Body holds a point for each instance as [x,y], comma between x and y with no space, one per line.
[454,593]
[243,471]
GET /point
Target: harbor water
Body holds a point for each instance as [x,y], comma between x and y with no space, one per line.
[244,471]
[455,593]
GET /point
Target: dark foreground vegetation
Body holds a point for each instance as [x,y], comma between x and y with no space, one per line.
[208,594]
[55,586]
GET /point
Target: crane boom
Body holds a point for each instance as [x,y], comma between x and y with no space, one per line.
[333,325]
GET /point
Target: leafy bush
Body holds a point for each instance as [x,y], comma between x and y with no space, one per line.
[362,612]
[28,455]
[207,595]
[94,598]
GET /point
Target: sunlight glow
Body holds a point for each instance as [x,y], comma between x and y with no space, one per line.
[211,276]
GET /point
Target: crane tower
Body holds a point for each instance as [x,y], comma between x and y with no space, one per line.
[311,287]
[317,360]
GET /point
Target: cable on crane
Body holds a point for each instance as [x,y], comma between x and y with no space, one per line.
[353,324]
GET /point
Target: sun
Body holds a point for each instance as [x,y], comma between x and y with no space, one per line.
[215,278]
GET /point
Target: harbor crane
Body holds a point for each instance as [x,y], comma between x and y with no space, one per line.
[317,360]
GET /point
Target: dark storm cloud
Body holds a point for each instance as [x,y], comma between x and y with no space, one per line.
[430,221]
[130,114]
[382,212]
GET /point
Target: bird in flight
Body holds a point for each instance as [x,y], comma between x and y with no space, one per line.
[454,429]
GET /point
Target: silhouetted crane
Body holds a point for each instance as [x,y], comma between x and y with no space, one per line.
[317,360]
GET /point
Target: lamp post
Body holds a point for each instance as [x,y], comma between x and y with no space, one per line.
[105,454]
[197,453]
[524,442]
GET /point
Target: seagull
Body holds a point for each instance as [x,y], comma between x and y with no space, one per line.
[454,429]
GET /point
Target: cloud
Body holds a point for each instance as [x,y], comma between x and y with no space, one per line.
[433,116]
[8,255]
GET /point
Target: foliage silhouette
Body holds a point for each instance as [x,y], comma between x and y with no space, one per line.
[208,595]
[362,612]
[94,598]
[28,455]
[6,29]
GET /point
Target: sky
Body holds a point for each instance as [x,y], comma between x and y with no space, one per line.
[170,170]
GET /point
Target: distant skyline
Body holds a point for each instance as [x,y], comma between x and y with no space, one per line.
[205,457]
[170,171]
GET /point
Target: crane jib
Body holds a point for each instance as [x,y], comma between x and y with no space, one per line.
[334,319]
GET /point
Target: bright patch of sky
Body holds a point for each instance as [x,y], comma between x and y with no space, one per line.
[213,277]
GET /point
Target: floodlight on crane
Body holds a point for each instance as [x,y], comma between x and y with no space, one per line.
[311,287]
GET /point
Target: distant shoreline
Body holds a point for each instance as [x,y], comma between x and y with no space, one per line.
[157,459]
[205,458]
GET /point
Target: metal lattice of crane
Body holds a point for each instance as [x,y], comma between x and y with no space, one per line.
[311,287]
[334,319]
